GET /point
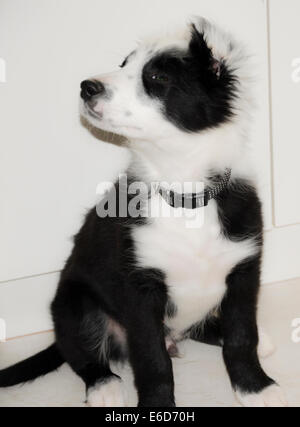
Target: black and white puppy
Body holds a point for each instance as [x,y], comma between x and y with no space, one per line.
[134,286]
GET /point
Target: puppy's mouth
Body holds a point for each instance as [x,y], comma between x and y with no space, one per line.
[92,113]
[110,126]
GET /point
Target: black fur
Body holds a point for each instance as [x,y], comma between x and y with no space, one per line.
[241,217]
[239,329]
[46,361]
[235,326]
[194,97]
[208,331]
[240,212]
[100,282]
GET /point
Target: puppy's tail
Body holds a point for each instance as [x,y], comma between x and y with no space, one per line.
[46,361]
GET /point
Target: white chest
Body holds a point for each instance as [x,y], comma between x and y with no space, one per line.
[195,261]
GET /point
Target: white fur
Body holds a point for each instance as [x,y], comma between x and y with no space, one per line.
[271,396]
[107,394]
[195,261]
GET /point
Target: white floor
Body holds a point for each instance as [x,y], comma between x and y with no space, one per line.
[200,376]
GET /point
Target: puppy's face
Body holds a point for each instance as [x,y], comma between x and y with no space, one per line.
[165,87]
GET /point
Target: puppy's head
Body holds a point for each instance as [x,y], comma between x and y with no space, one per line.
[186,83]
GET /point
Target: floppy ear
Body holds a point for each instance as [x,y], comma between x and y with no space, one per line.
[199,49]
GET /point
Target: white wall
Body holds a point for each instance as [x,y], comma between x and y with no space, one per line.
[50,165]
[285,65]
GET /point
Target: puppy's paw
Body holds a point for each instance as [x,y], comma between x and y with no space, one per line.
[265,345]
[171,347]
[272,396]
[107,394]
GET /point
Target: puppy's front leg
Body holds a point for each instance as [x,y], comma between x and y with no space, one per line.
[148,355]
[238,322]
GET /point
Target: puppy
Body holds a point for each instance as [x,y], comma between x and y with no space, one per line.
[136,284]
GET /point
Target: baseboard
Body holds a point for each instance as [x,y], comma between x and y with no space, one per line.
[25,304]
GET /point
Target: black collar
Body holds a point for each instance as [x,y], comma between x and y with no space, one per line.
[195,200]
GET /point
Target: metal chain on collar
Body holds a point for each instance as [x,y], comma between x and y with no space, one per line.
[195,200]
[220,186]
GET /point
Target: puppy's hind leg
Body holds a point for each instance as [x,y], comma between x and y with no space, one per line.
[86,344]
[104,388]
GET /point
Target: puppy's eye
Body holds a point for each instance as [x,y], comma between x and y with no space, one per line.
[160,77]
[123,63]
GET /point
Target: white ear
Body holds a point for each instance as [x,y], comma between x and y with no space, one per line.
[202,24]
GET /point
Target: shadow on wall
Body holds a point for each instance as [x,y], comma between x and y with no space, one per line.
[102,135]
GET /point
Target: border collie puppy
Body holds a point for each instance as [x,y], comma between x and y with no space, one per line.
[135,285]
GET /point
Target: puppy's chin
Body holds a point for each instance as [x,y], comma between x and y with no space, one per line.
[101,134]
[89,116]
[94,123]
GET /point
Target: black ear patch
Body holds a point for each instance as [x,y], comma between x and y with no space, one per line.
[198,47]
[197,90]
[200,51]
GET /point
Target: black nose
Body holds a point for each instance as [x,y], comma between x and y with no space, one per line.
[91,88]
